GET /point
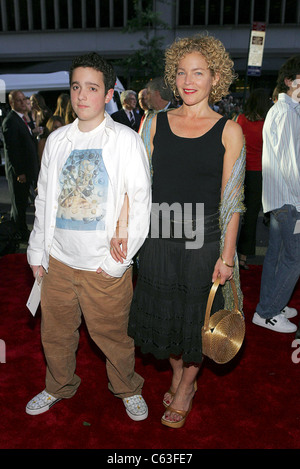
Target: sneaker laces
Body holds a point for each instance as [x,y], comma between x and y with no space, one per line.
[135,404]
[42,398]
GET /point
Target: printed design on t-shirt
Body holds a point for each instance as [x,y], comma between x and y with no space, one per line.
[84,184]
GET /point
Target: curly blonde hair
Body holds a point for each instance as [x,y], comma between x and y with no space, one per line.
[216,56]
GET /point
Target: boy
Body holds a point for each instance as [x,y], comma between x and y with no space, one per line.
[86,169]
[281,198]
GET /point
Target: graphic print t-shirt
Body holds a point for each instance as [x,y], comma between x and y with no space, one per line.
[81,213]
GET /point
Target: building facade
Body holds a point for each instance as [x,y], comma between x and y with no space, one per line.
[44,35]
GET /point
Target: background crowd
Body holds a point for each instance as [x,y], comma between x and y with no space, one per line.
[42,119]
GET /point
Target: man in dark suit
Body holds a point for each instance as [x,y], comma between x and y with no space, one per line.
[128,115]
[21,160]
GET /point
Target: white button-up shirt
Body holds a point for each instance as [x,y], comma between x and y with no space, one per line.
[281,155]
[127,166]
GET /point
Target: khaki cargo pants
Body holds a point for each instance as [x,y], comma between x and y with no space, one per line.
[68,293]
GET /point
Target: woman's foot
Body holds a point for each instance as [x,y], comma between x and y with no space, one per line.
[175,415]
[169,395]
[168,398]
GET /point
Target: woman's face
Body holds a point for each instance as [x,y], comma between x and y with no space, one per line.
[28,104]
[33,103]
[194,80]
[56,125]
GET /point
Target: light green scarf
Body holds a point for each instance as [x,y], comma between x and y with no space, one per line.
[145,135]
[232,202]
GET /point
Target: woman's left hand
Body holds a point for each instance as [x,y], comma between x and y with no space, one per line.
[222,271]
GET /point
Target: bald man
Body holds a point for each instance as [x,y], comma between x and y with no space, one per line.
[21,160]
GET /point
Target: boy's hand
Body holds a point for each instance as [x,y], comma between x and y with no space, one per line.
[100,271]
[37,270]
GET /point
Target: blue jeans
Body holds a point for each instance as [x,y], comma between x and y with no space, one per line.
[281,267]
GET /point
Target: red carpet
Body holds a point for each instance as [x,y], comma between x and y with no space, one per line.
[252,403]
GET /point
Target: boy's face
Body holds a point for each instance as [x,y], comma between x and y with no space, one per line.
[88,97]
[293,88]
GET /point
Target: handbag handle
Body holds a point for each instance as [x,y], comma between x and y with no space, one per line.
[211,298]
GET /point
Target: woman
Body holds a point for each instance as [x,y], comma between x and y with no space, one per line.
[198,160]
[52,124]
[40,111]
[70,114]
[61,105]
[252,121]
[28,115]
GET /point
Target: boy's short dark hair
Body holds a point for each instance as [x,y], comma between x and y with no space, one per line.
[289,70]
[95,61]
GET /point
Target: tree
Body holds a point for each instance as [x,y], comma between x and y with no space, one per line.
[148,61]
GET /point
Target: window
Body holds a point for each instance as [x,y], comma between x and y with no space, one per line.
[49,10]
[245,12]
[104,13]
[23,16]
[229,12]
[36,14]
[10,15]
[130,9]
[199,12]
[118,13]
[260,11]
[275,12]
[214,12]
[90,14]
[184,12]
[291,11]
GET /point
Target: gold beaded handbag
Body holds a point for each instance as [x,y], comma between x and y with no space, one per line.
[223,333]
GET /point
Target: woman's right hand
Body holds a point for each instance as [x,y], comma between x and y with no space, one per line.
[119,241]
[118,244]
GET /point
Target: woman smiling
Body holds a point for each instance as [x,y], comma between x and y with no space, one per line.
[198,160]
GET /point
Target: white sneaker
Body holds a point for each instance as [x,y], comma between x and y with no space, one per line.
[289,312]
[278,323]
[41,403]
[136,407]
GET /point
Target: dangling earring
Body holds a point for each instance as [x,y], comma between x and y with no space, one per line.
[176,94]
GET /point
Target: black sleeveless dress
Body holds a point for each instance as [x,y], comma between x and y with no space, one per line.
[174,278]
